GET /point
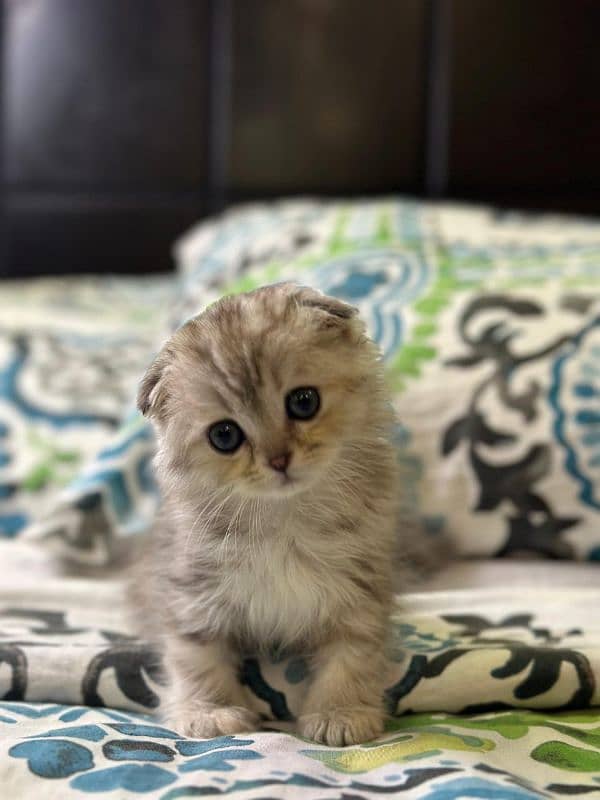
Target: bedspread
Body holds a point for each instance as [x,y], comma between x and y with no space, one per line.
[519,666]
[491,692]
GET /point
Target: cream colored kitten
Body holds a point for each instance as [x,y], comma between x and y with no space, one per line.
[279,518]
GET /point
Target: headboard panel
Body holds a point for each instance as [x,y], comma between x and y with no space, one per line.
[126,120]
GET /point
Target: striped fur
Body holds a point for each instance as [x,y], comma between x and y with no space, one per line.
[241,561]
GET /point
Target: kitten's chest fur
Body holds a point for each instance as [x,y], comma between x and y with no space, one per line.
[281,580]
[281,591]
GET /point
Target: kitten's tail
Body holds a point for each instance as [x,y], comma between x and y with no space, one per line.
[419,553]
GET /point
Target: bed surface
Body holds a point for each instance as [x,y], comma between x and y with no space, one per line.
[477,636]
[494,664]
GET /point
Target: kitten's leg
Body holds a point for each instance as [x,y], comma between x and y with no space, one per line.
[205,698]
[344,704]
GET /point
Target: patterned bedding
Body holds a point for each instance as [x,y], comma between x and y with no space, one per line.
[57,751]
[489,325]
[520,667]
[494,691]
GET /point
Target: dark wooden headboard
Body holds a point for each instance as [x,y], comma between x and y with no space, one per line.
[124,121]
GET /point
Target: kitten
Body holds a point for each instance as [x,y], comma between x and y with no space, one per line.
[279,516]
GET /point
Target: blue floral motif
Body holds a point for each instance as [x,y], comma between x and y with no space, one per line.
[196,747]
[218,760]
[92,733]
[200,768]
[478,788]
[574,398]
[359,284]
[56,758]
[134,750]
[54,754]
[408,637]
[134,729]
[11,392]
[132,777]
[33,712]
[383,282]
[11,524]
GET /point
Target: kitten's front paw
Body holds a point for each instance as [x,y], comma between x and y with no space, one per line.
[342,726]
[208,722]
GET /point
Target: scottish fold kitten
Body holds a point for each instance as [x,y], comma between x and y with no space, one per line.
[279,519]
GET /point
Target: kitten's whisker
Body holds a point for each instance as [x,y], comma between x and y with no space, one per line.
[209,512]
[251,540]
[190,534]
[255,520]
[233,529]
[223,550]
[243,507]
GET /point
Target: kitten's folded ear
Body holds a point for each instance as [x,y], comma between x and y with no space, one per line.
[310,298]
[151,392]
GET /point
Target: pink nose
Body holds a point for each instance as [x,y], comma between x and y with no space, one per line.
[280,463]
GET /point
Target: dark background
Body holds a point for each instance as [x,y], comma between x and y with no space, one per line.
[124,121]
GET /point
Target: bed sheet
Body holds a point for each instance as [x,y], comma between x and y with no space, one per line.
[491,692]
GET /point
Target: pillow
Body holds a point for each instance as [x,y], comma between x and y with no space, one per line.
[71,352]
[489,325]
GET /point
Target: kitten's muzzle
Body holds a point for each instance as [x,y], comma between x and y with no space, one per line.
[281,462]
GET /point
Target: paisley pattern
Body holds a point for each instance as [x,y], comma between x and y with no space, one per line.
[574,396]
[381,283]
[71,352]
[489,327]
[502,656]
[487,322]
[524,673]
[521,755]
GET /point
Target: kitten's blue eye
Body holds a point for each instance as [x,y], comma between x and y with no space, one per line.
[225,436]
[302,403]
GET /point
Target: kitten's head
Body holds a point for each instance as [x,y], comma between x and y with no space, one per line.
[259,393]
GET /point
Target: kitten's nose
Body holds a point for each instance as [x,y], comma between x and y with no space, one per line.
[280,463]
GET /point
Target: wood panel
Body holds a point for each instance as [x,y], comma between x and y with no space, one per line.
[107,113]
[105,132]
[525,102]
[327,95]
[106,93]
[49,234]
